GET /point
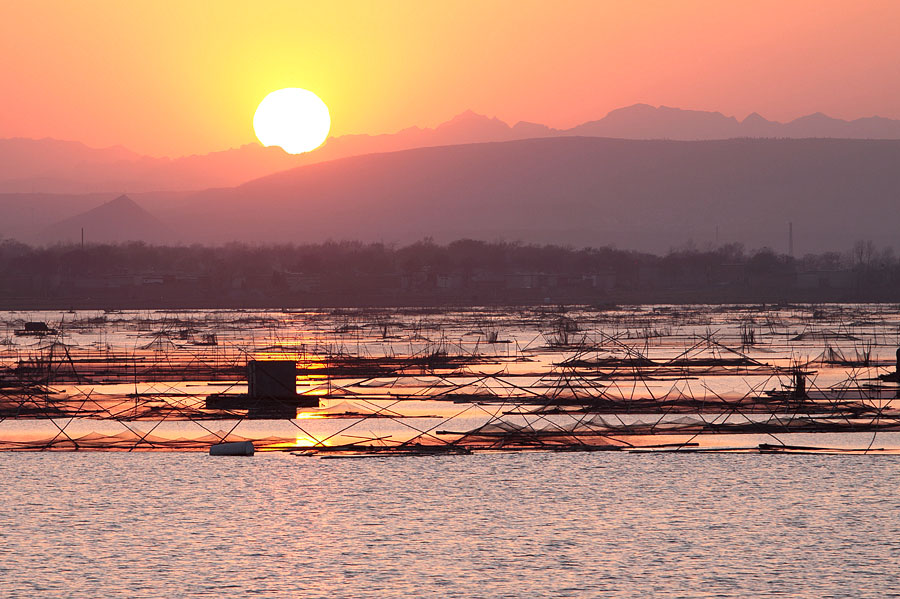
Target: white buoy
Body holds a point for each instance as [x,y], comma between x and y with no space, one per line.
[243,448]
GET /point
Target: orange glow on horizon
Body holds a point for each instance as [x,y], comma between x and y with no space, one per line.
[180,78]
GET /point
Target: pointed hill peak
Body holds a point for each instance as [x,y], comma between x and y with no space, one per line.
[469,115]
[123,200]
[637,107]
[470,118]
[529,129]
[470,127]
[755,117]
[816,116]
[121,204]
[118,220]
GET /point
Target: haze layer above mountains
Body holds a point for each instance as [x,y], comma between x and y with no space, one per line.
[53,166]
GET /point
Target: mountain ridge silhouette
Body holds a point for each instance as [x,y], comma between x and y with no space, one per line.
[52,166]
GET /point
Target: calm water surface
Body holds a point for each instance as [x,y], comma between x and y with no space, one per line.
[499,525]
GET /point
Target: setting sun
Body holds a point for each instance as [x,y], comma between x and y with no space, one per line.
[293,118]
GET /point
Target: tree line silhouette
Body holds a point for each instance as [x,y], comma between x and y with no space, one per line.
[427,273]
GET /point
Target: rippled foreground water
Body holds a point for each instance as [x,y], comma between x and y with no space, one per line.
[485,525]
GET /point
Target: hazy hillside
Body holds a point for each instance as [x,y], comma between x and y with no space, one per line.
[24,214]
[115,221]
[51,166]
[649,195]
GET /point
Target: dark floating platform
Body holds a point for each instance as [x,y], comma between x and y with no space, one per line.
[272,392]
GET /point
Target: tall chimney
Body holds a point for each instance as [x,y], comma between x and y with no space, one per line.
[791,239]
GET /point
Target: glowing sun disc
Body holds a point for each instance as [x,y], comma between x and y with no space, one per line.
[293,118]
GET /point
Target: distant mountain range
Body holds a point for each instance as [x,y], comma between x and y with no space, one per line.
[642,121]
[649,195]
[52,166]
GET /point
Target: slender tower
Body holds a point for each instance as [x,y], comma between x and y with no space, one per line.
[791,239]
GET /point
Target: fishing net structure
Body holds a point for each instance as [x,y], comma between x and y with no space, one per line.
[378,382]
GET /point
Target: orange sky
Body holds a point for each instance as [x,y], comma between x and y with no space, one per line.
[172,78]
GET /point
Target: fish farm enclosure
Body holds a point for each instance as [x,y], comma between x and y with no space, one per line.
[340,382]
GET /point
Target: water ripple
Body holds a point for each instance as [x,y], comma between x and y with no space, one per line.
[501,525]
